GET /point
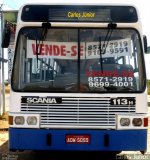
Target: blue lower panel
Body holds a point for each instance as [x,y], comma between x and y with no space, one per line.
[100,140]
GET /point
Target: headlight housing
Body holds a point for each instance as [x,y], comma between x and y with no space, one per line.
[19,120]
[124,121]
[131,121]
[32,120]
[24,120]
[137,122]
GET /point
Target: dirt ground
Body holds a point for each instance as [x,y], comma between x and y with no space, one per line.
[3,142]
[3,131]
[3,137]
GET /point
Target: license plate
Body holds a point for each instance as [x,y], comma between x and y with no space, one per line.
[77,139]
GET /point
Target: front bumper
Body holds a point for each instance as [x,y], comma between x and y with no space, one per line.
[100,140]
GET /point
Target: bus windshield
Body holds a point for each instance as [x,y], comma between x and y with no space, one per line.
[78,60]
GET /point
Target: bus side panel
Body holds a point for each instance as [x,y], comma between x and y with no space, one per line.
[100,140]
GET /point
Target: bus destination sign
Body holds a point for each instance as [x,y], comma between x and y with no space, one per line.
[78,13]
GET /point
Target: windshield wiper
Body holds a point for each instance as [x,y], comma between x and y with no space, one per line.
[45,27]
[102,48]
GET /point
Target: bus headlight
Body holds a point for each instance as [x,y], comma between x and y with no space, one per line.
[137,121]
[19,120]
[32,120]
[131,121]
[124,121]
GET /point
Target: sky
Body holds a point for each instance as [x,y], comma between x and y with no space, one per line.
[142,5]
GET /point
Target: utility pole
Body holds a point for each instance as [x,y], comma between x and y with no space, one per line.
[2,61]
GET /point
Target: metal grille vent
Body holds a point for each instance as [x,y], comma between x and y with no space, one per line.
[85,112]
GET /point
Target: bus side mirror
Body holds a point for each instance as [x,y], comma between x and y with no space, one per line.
[145,43]
[6,37]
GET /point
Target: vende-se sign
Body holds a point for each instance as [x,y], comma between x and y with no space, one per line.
[69,50]
[60,50]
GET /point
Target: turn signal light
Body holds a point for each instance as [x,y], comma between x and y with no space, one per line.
[10,120]
[146,122]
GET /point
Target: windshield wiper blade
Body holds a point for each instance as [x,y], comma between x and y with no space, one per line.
[102,48]
[111,27]
[36,52]
[45,27]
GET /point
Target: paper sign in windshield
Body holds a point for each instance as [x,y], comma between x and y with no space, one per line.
[69,50]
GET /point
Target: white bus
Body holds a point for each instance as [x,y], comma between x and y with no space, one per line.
[78,79]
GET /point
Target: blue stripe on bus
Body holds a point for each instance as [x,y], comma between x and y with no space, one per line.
[54,139]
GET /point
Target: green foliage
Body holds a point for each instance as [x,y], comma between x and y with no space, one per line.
[11,16]
[148,87]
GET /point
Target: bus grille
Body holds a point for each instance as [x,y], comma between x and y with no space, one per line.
[85,112]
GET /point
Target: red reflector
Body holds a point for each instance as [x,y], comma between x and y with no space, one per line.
[145,122]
